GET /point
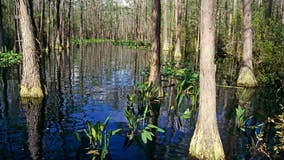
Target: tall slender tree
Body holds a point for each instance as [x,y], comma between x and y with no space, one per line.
[246,76]
[166,45]
[155,76]
[206,142]
[177,53]
[30,83]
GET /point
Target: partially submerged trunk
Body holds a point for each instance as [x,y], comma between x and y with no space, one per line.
[246,76]
[177,53]
[206,142]
[30,83]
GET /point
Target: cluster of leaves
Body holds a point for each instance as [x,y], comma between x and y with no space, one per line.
[142,106]
[132,44]
[98,137]
[278,121]
[10,58]
[187,85]
[268,47]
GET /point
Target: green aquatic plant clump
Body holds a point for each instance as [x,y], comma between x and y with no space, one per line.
[11,58]
[99,138]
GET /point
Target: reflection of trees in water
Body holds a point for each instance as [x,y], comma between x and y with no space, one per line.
[33,112]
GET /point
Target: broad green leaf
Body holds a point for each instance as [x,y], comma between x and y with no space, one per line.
[144,138]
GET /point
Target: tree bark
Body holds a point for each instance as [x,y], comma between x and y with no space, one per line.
[206,142]
[58,37]
[246,76]
[41,25]
[177,53]
[30,83]
[155,76]
[166,46]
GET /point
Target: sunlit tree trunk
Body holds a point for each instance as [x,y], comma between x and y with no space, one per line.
[246,76]
[155,76]
[166,45]
[206,142]
[177,53]
[30,83]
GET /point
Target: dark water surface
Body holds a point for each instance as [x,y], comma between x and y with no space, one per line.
[93,82]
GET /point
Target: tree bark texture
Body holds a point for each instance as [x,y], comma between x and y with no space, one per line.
[177,53]
[155,76]
[206,142]
[246,76]
[30,83]
[166,46]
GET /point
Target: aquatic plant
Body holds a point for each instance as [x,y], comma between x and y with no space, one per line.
[187,85]
[98,137]
[10,58]
[140,119]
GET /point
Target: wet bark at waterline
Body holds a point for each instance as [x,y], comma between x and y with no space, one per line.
[30,83]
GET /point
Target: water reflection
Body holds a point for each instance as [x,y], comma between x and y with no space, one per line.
[34,119]
[91,82]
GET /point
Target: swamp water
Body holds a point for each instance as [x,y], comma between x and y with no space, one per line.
[91,83]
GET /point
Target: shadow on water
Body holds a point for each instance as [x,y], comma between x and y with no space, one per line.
[91,82]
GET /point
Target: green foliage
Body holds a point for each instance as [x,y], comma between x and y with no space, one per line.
[10,58]
[278,121]
[132,44]
[127,43]
[187,85]
[98,137]
[88,41]
[147,101]
[240,122]
[147,132]
[268,47]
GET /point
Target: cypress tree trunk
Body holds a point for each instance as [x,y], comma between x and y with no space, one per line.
[246,76]
[177,54]
[155,76]
[206,142]
[166,46]
[30,83]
